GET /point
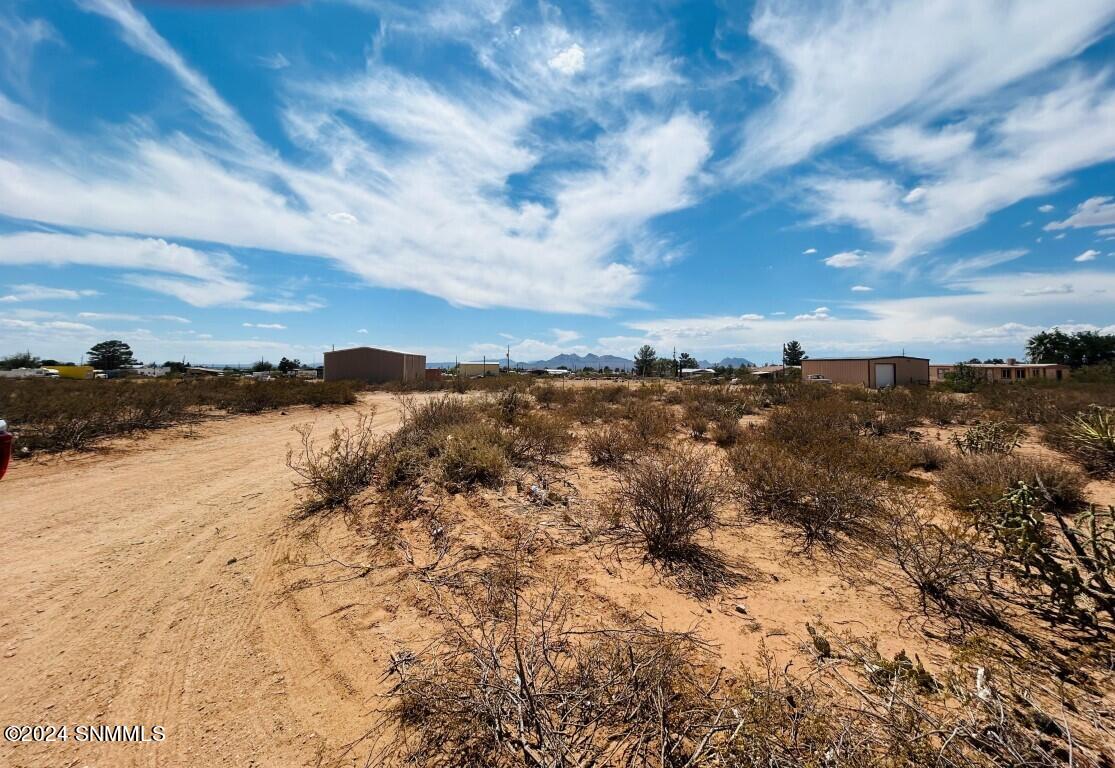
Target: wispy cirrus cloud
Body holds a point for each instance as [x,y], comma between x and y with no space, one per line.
[32,292]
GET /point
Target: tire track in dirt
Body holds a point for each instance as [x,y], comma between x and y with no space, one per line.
[120,601]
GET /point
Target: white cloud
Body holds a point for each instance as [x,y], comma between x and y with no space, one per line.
[274,61]
[962,268]
[1093,212]
[846,66]
[845,259]
[1088,255]
[569,61]
[820,313]
[862,288]
[914,195]
[563,336]
[809,251]
[1047,208]
[362,330]
[1024,152]
[1049,290]
[427,212]
[266,326]
[32,292]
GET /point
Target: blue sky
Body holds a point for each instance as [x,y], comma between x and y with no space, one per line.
[230,181]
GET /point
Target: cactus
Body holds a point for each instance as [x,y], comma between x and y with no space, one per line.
[995,437]
[1076,567]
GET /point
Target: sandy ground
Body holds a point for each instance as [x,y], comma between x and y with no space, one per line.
[139,586]
[163,581]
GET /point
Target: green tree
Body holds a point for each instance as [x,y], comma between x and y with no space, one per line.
[110,355]
[1074,349]
[793,354]
[176,366]
[687,361]
[19,360]
[262,366]
[289,366]
[645,359]
[963,378]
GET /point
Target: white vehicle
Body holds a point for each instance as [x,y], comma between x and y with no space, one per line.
[818,378]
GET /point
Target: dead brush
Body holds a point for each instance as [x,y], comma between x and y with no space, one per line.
[651,422]
[514,681]
[611,445]
[331,476]
[974,484]
[943,561]
[820,498]
[469,455]
[538,439]
[669,499]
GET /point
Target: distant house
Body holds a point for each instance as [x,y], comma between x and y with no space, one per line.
[689,373]
[1011,370]
[871,372]
[770,371]
[373,365]
[488,368]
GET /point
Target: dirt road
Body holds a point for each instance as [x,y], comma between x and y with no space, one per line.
[141,586]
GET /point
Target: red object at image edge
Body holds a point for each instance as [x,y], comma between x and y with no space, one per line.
[5,452]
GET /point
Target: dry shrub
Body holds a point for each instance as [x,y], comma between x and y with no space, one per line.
[670,499]
[927,456]
[696,417]
[513,681]
[548,395]
[976,483]
[331,476]
[471,454]
[944,561]
[74,415]
[612,445]
[1089,437]
[823,500]
[538,438]
[652,423]
[726,430]
[410,451]
[507,406]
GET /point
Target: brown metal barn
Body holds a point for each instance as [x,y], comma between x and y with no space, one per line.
[871,372]
[374,365]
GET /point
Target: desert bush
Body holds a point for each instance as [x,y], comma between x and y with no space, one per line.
[696,418]
[331,476]
[726,430]
[538,438]
[548,395]
[507,406]
[944,561]
[993,437]
[669,500]
[611,445]
[823,500]
[651,423]
[513,681]
[1089,437]
[975,483]
[925,455]
[74,415]
[471,454]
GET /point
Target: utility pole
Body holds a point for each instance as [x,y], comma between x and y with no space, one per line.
[509,358]
[677,371]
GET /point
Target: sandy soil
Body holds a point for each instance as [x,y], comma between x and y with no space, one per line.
[163,581]
[140,585]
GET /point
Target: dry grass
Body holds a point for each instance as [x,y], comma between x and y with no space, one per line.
[974,484]
[331,476]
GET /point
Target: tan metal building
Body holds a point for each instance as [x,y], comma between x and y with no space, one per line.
[489,368]
[870,372]
[373,365]
[1010,371]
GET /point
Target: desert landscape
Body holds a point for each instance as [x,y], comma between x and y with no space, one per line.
[571,574]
